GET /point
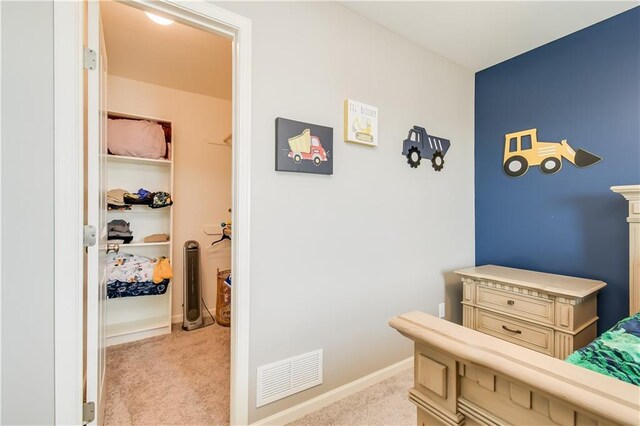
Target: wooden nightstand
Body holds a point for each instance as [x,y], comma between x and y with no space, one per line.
[552,314]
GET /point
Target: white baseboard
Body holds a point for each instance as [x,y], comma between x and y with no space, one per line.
[177,318]
[314,404]
[137,335]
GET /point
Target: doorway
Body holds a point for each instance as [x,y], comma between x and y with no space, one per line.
[168,176]
[69,341]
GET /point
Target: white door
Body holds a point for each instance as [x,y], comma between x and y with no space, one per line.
[96,212]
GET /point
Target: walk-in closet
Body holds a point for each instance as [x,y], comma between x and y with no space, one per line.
[168,212]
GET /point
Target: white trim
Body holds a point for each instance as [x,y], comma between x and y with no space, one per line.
[0,214]
[222,21]
[68,211]
[314,404]
[133,336]
[68,109]
[241,226]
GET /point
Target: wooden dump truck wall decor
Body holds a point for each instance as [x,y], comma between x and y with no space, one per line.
[523,150]
[419,144]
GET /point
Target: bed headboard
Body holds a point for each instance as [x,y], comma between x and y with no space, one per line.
[632,194]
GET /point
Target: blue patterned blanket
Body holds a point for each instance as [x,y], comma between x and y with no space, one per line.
[117,289]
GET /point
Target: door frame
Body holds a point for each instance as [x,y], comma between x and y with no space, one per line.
[69,187]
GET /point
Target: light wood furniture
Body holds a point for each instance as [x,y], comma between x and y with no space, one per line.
[632,194]
[470,378]
[134,318]
[548,313]
[466,377]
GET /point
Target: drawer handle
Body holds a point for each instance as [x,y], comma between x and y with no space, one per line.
[504,327]
[510,302]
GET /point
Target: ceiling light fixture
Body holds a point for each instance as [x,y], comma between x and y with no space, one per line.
[159,19]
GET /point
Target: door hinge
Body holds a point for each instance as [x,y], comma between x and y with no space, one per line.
[89,235]
[88,412]
[89,59]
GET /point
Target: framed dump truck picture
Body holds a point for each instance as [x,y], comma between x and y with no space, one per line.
[360,123]
[303,147]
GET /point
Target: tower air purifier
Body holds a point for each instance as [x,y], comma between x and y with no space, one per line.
[192,290]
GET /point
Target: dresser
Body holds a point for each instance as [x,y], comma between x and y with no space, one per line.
[551,314]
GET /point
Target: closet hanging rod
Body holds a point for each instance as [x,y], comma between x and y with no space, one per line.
[226,233]
[225,142]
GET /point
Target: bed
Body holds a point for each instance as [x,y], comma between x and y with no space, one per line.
[465,377]
[462,376]
[615,353]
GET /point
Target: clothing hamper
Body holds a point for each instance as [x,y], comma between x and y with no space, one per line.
[223,299]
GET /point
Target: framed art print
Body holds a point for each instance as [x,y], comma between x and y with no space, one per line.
[360,123]
[303,147]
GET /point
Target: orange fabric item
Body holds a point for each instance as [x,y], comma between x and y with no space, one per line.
[162,270]
[156,238]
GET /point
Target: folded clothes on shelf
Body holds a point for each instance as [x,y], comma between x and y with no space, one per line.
[141,197]
[119,229]
[129,268]
[156,238]
[115,197]
[120,199]
[118,289]
[161,199]
[130,275]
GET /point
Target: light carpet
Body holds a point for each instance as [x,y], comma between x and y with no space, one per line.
[183,379]
[383,404]
[180,378]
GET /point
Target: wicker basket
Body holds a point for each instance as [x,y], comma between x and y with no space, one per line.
[223,299]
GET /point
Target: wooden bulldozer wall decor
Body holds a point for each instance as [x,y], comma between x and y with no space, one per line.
[547,155]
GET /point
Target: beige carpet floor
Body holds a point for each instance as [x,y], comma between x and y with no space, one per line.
[383,404]
[180,378]
[183,379]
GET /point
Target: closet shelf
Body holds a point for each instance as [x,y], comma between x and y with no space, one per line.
[137,160]
[143,244]
[134,318]
[140,209]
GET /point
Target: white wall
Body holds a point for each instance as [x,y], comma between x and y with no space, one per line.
[27,213]
[386,237]
[378,238]
[202,171]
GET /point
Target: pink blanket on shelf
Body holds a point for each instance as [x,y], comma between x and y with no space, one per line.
[136,138]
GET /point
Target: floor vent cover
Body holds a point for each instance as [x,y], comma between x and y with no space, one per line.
[289,376]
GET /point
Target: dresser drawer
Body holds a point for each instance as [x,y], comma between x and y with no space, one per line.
[533,308]
[515,331]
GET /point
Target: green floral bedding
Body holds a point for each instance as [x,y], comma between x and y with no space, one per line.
[615,353]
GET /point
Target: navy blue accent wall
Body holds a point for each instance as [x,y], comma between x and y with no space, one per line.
[584,88]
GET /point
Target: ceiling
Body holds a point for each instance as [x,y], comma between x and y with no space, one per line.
[175,56]
[479,34]
[474,34]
